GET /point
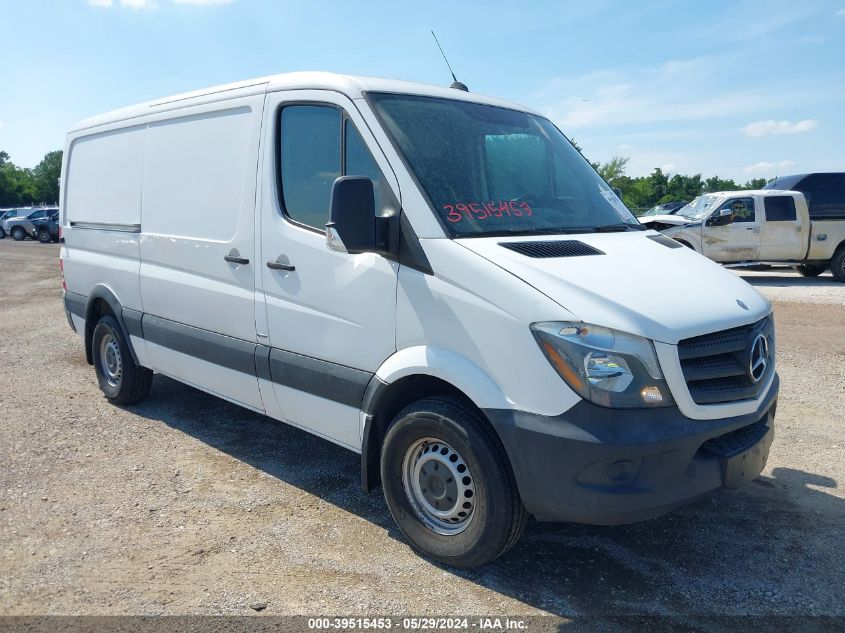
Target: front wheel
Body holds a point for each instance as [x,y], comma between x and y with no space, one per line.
[121,379]
[449,485]
[837,265]
[44,236]
[18,234]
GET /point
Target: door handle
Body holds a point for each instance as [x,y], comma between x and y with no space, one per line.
[234,259]
[280,266]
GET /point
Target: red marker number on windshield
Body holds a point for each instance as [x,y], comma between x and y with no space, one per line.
[486,210]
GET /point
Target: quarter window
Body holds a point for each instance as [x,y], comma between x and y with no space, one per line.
[311,140]
[779,208]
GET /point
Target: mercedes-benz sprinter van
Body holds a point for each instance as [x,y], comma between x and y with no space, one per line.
[434,279]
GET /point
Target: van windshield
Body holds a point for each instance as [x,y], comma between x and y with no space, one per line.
[488,170]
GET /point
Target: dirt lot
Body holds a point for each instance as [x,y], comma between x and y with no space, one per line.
[187,504]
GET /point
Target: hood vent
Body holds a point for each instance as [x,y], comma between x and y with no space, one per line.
[665,241]
[544,249]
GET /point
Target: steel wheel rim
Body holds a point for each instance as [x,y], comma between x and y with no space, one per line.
[439,486]
[111,364]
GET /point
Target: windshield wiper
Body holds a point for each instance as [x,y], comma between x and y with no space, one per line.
[618,228]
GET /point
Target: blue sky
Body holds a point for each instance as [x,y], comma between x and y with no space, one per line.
[739,89]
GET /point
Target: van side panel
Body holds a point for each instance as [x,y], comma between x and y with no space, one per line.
[198,205]
[104,175]
[102,217]
[199,181]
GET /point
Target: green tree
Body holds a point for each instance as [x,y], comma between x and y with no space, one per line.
[613,170]
[17,186]
[46,177]
[756,183]
[717,184]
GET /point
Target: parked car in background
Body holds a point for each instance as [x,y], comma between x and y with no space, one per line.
[21,227]
[6,214]
[46,230]
[766,226]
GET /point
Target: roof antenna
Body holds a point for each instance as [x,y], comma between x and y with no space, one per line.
[457,85]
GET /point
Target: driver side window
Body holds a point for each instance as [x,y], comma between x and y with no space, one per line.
[317,144]
[742,208]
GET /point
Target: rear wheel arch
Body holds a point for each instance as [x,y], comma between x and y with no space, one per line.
[103,302]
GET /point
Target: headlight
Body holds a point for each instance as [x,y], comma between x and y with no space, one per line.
[609,368]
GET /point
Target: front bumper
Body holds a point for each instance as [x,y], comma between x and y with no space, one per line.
[611,466]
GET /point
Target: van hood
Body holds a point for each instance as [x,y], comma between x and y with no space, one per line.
[635,285]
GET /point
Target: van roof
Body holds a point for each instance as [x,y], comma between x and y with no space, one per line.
[352,86]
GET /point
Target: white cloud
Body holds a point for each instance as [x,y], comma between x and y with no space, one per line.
[765,128]
[100,3]
[764,166]
[676,91]
[139,4]
[840,13]
[203,2]
[667,168]
[2,123]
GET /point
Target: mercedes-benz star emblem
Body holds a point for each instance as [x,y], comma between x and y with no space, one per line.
[759,357]
[741,304]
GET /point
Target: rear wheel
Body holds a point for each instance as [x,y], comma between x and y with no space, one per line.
[837,265]
[44,235]
[121,379]
[449,485]
[2,233]
[811,270]
[18,234]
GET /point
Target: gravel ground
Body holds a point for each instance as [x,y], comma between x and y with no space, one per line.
[185,504]
[784,285]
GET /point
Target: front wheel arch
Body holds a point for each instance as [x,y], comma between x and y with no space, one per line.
[383,401]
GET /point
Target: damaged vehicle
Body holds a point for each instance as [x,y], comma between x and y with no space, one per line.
[767,226]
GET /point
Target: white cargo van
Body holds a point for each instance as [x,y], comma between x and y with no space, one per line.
[434,279]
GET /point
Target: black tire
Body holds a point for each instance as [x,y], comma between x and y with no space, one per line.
[2,233]
[132,382]
[44,235]
[497,517]
[18,234]
[810,270]
[837,265]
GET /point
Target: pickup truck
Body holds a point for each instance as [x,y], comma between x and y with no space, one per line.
[23,226]
[768,226]
[46,229]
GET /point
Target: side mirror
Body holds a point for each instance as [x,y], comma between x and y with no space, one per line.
[722,217]
[353,226]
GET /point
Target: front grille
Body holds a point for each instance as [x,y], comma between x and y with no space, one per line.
[717,366]
[545,249]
